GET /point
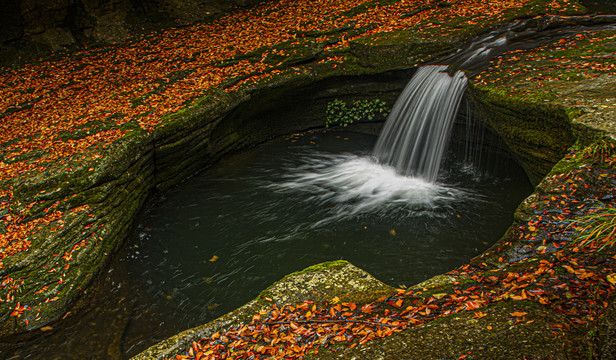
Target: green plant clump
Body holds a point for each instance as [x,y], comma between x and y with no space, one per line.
[599,226]
[601,151]
[338,113]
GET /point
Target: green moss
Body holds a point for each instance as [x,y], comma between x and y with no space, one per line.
[365,7]
[328,265]
[538,134]
[322,33]
[401,48]
[495,335]
[598,152]
[567,164]
[91,128]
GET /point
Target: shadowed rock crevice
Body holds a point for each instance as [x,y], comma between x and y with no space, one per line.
[36,27]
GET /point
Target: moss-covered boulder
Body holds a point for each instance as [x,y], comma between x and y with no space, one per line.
[336,281]
[538,134]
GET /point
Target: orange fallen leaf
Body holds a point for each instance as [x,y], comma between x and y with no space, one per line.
[479,314]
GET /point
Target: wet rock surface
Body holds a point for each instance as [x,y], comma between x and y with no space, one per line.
[319,284]
[38,27]
[493,336]
[523,328]
[81,209]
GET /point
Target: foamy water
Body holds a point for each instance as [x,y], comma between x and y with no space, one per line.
[352,185]
[417,130]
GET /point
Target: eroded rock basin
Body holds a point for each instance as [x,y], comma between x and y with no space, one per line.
[216,241]
[160,159]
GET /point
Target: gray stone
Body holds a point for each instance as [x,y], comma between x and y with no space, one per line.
[56,38]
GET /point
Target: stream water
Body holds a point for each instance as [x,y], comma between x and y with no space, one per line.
[212,244]
[600,6]
[417,130]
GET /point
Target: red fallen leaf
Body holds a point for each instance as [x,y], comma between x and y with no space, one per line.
[352,306]
[367,309]
[536,292]
[518,314]
[544,300]
[472,305]
[396,303]
[382,298]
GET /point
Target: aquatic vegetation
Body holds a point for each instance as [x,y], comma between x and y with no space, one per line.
[338,112]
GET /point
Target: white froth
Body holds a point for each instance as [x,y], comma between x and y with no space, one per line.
[355,184]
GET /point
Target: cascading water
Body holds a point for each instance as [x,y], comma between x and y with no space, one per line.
[417,130]
[310,198]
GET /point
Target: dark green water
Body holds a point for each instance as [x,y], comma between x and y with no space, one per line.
[214,242]
[600,6]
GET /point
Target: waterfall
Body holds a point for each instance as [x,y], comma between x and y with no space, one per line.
[417,130]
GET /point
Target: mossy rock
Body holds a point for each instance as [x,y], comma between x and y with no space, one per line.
[497,335]
[540,135]
[319,283]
